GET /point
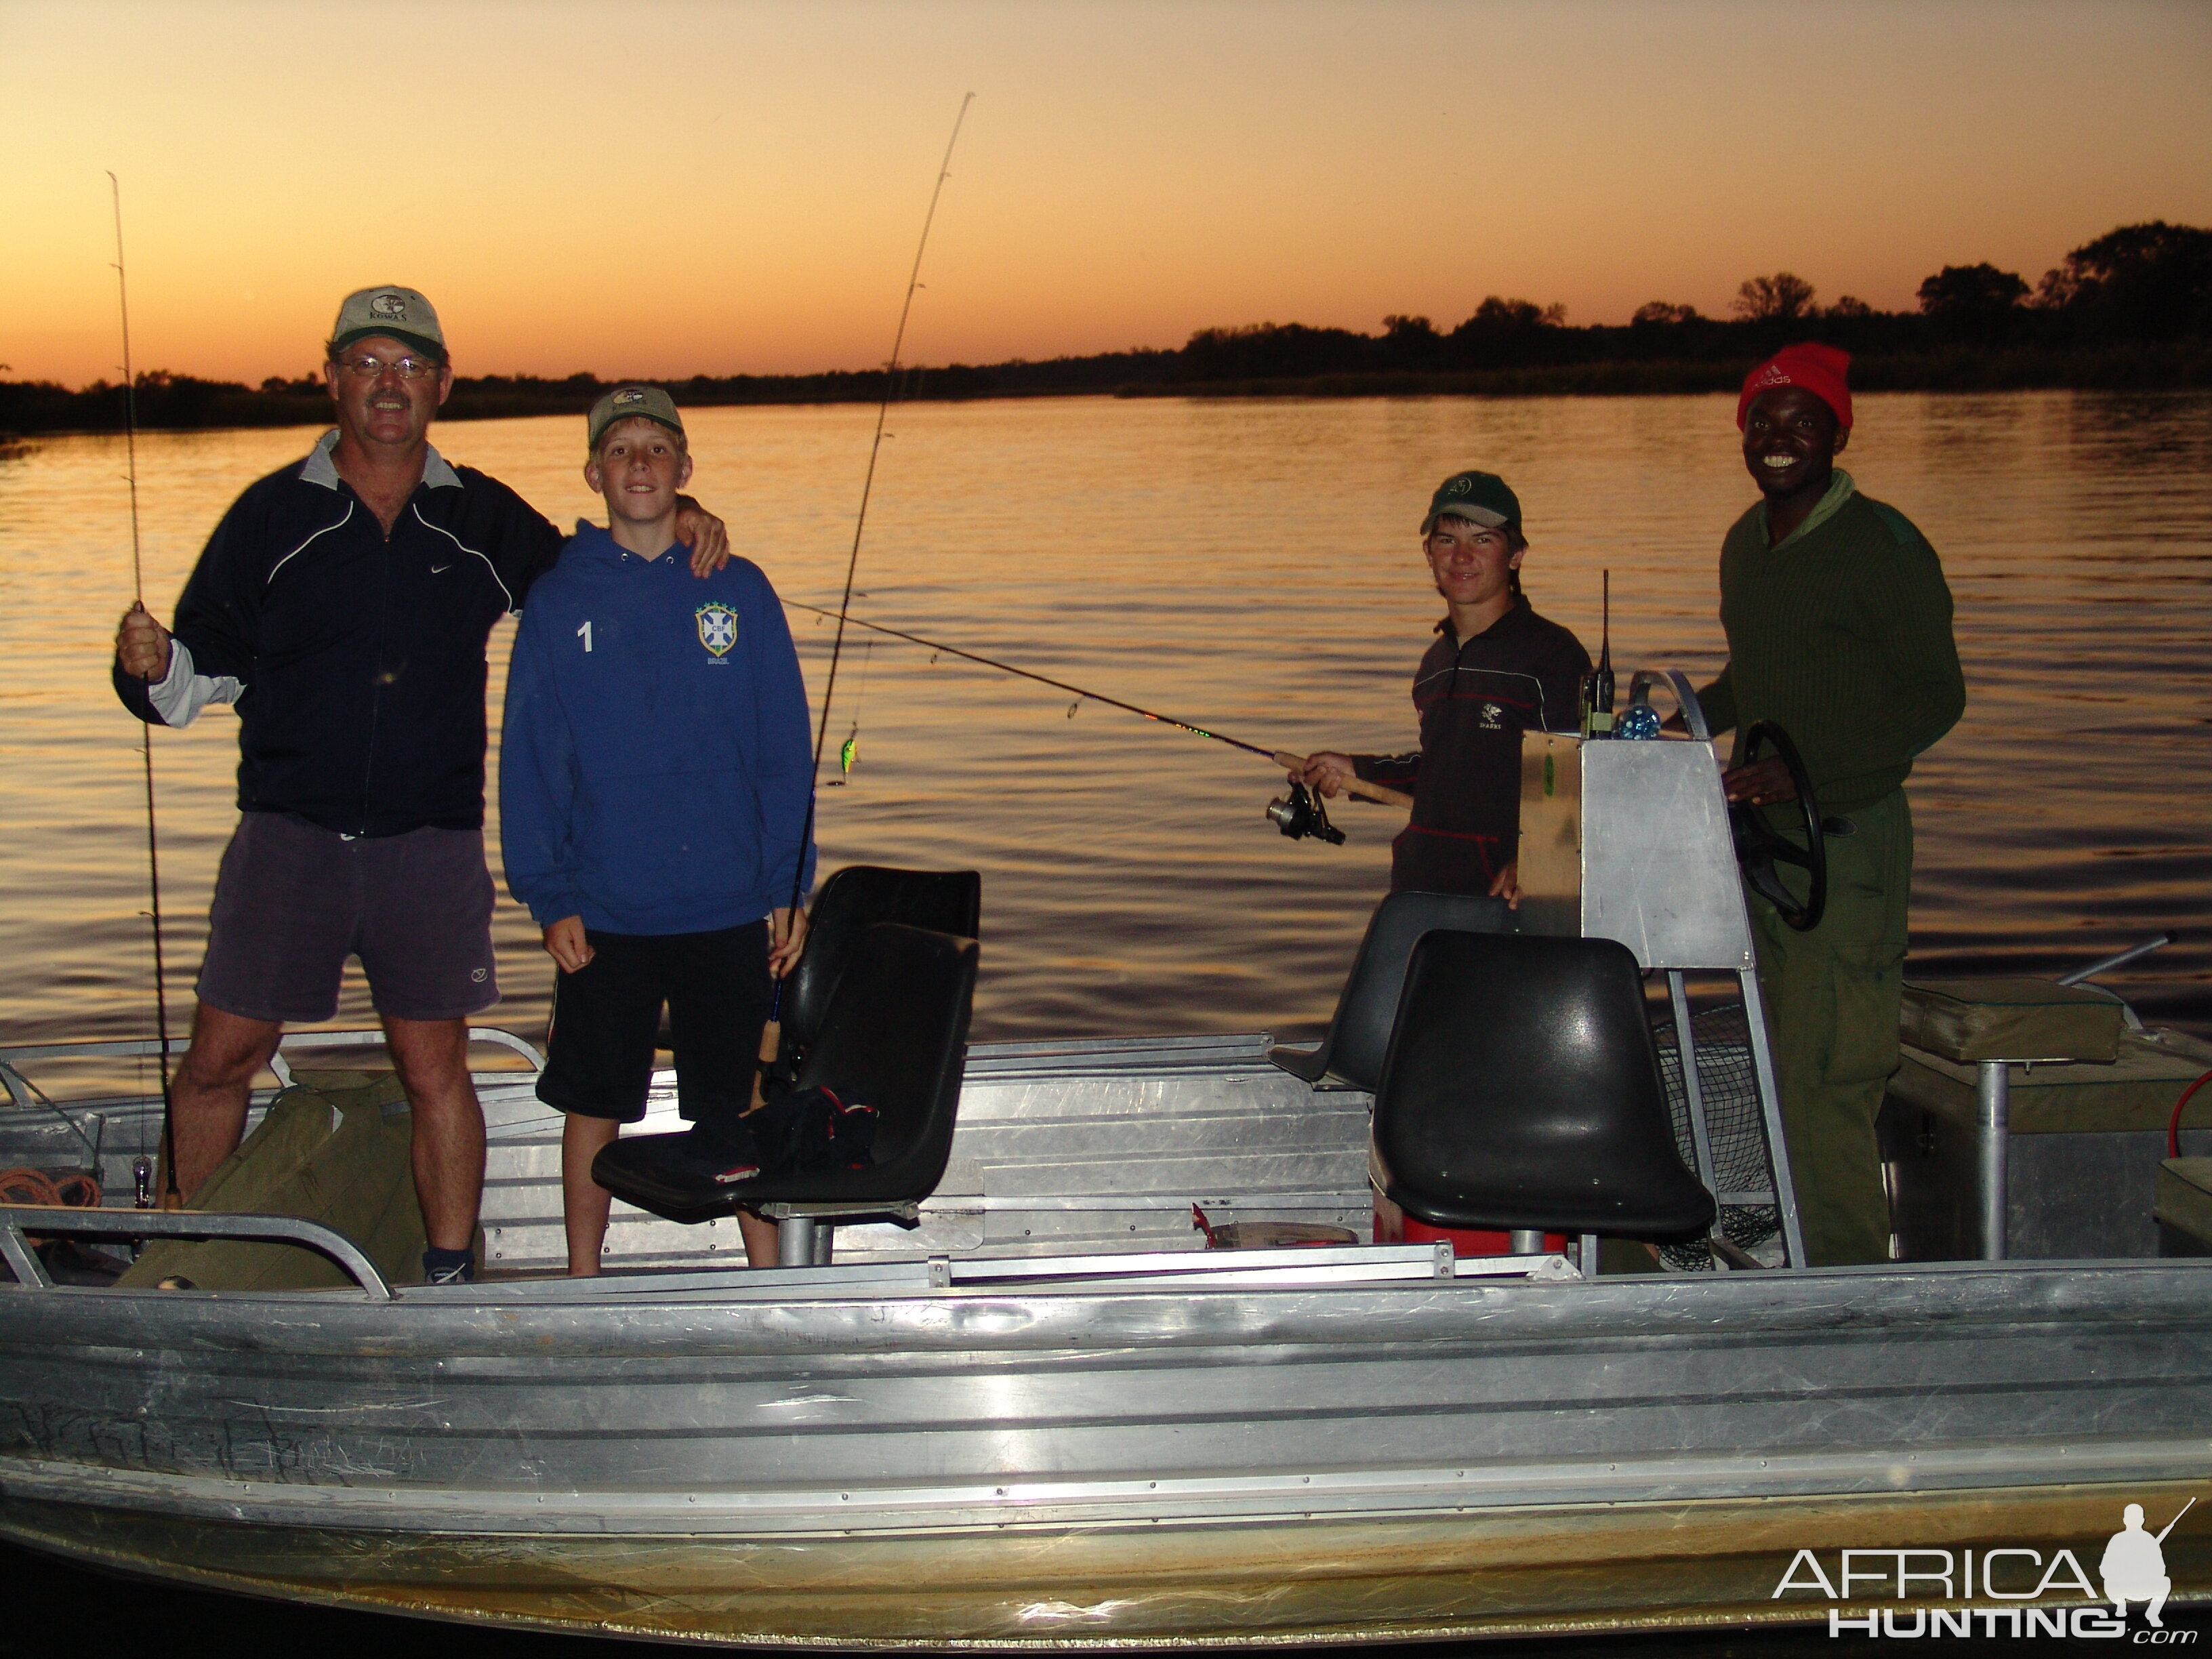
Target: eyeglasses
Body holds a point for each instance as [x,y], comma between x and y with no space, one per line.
[366,368]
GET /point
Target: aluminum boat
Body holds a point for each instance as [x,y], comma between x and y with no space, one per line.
[1047,1414]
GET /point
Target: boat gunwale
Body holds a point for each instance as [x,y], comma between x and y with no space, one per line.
[1446,1487]
[763,1318]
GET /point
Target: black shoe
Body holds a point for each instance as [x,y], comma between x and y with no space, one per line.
[448,1267]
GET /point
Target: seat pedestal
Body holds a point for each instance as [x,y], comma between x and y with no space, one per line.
[804,1232]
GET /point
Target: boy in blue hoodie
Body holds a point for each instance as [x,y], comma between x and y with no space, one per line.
[654,774]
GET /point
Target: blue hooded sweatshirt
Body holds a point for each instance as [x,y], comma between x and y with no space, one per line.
[654,770]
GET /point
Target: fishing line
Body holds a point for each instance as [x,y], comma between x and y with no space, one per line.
[850,752]
[1081,694]
[146,746]
[867,488]
[771,1034]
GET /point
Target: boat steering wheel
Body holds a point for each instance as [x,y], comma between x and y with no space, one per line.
[1759,845]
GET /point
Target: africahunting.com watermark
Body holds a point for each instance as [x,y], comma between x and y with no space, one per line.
[2004,1593]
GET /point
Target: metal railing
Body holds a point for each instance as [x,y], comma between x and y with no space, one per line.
[18,1219]
[23,1094]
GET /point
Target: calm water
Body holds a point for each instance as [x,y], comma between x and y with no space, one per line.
[1250,566]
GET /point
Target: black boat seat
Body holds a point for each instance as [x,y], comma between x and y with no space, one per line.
[1351,1055]
[849,903]
[894,1037]
[1522,1093]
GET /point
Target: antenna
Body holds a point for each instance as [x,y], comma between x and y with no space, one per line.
[1605,624]
[146,734]
[1597,685]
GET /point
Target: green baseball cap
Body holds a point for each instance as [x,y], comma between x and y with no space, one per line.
[399,314]
[626,402]
[1480,498]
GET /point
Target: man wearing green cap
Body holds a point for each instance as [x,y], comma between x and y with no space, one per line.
[342,606]
[1497,669]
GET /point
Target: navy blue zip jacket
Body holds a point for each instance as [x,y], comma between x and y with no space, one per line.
[653,770]
[356,663]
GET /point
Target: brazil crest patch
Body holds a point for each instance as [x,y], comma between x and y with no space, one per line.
[718,628]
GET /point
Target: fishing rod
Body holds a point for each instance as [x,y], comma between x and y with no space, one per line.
[143,1176]
[1361,789]
[772,1034]
[1078,691]
[867,489]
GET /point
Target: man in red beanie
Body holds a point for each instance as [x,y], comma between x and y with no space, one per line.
[1839,628]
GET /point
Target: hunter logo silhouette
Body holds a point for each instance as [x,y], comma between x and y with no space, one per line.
[2133,1567]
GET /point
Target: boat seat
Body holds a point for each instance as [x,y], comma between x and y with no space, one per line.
[894,1037]
[1966,1021]
[1351,1055]
[849,903]
[1522,1093]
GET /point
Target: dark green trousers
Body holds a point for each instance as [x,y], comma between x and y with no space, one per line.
[1832,1004]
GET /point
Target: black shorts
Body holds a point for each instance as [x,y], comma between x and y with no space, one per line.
[606,1015]
[292,902]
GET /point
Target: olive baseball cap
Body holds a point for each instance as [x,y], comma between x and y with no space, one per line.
[624,402]
[1480,498]
[400,313]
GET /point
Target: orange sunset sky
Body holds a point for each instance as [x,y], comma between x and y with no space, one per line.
[656,187]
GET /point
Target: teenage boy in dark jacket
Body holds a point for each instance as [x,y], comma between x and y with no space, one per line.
[1497,669]
[342,606]
[654,776]
[1839,629]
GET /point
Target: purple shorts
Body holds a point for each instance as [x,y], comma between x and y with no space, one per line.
[292,902]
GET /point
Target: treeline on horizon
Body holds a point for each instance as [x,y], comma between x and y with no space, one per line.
[2130,310]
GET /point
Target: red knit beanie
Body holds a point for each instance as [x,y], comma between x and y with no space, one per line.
[1819,368]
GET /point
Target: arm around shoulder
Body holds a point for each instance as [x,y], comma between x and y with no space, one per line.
[524,543]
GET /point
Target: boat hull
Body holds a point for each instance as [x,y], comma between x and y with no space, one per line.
[1111,1465]
[1535,1571]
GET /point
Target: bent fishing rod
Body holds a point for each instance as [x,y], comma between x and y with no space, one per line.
[771,1035]
[1359,788]
[867,489]
[172,1199]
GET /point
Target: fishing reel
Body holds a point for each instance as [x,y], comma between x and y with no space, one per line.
[1304,815]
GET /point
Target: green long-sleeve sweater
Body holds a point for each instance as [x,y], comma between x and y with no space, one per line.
[1842,637]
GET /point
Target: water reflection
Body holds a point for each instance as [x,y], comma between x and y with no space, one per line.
[1250,566]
